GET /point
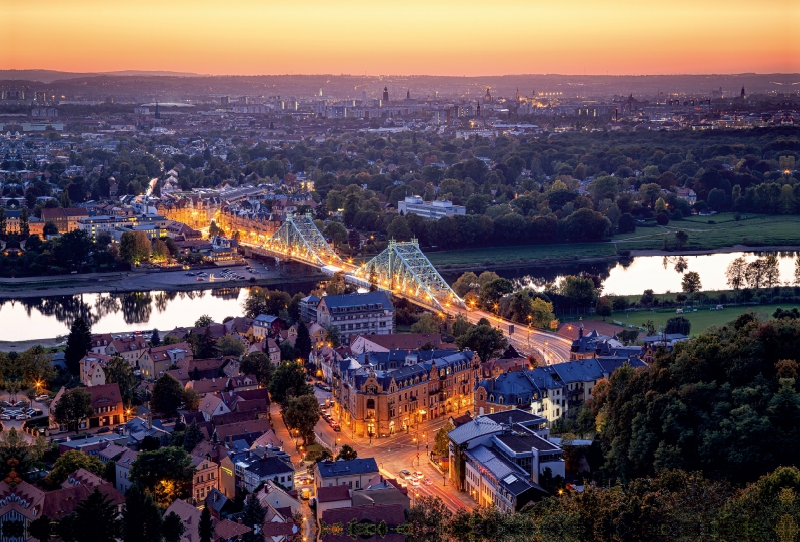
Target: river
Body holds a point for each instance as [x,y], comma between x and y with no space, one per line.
[51,316]
[658,273]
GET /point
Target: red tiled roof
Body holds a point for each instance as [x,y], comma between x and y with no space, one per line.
[570,330]
[392,514]
[333,493]
[227,529]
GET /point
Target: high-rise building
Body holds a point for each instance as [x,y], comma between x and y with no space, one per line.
[385,95]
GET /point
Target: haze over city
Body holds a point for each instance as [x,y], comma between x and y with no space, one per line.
[444,37]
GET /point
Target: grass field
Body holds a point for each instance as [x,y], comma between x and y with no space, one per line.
[755,230]
[700,320]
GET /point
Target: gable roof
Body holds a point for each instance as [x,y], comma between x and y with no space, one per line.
[333,493]
[333,469]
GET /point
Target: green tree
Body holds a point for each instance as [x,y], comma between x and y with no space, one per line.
[192,437]
[49,229]
[172,528]
[203,321]
[678,324]
[691,282]
[141,518]
[42,528]
[79,342]
[578,291]
[681,237]
[430,518]
[205,529]
[253,516]
[258,364]
[441,445]
[24,228]
[398,229]
[333,336]
[159,251]
[119,371]
[265,301]
[336,232]
[71,461]
[167,395]
[491,292]
[98,512]
[166,473]
[230,345]
[428,323]
[303,341]
[460,326]
[289,380]
[346,453]
[604,307]
[155,339]
[74,406]
[204,346]
[134,247]
[484,340]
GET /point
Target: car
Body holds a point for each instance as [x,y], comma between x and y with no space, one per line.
[42,398]
[404,474]
[5,417]
[336,427]
[104,430]
[190,274]
[414,482]
[5,403]
[21,417]
[427,482]
[419,475]
[199,279]
[30,412]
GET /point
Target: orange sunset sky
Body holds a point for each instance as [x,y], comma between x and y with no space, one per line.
[435,37]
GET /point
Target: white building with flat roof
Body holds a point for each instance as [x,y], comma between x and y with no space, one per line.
[430,209]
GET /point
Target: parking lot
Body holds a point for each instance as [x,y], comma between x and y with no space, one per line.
[20,410]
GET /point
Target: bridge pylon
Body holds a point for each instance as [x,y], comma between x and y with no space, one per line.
[403,269]
[298,238]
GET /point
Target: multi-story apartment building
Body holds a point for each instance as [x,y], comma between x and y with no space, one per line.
[65,218]
[498,458]
[382,393]
[154,225]
[194,211]
[254,227]
[368,312]
[205,477]
[550,390]
[429,209]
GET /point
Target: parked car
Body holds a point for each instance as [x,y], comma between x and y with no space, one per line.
[428,482]
[104,430]
[5,417]
[336,427]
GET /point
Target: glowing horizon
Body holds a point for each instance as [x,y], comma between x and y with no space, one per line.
[447,37]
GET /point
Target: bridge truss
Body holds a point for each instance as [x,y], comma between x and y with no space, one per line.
[404,270]
[299,239]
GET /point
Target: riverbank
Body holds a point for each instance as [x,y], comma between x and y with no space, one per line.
[166,281]
[717,234]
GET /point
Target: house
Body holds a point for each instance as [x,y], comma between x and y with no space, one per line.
[382,490]
[550,390]
[308,308]
[268,468]
[128,347]
[209,385]
[111,453]
[91,369]
[333,497]
[211,405]
[267,326]
[205,477]
[500,457]
[157,360]
[368,312]
[219,505]
[65,218]
[123,470]
[190,517]
[106,405]
[354,474]
[372,342]
[248,431]
[243,383]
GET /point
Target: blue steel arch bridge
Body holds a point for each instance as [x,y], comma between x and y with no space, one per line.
[401,269]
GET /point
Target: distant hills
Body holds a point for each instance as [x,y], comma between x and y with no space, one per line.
[48,76]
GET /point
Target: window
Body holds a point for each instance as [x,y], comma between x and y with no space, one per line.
[357,484]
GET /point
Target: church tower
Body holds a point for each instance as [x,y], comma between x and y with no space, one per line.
[488,97]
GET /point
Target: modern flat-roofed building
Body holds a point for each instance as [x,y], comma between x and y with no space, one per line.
[429,209]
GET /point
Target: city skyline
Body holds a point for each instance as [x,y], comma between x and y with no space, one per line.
[448,38]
